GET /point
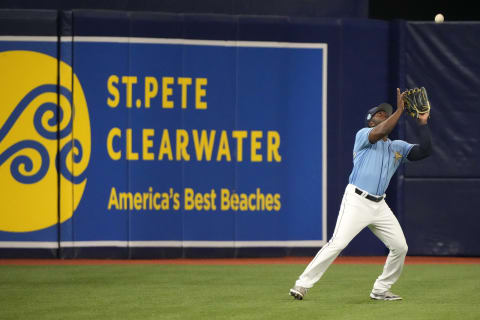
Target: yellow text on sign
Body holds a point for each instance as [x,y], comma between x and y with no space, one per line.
[130,91]
[199,201]
[194,145]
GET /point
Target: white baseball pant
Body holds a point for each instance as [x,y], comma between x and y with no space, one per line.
[357,212]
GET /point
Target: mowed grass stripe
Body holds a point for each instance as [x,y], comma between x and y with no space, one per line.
[232,292]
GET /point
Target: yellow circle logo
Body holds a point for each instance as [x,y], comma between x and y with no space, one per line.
[44,141]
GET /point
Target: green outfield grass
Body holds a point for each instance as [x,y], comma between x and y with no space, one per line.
[232,292]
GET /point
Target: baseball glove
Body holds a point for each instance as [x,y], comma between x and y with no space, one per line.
[416,101]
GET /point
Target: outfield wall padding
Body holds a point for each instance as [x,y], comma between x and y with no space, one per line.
[291,91]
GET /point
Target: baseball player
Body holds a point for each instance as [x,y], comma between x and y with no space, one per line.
[375,160]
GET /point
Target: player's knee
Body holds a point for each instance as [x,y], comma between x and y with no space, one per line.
[339,244]
[401,249]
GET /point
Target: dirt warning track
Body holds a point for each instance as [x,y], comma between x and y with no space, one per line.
[240,261]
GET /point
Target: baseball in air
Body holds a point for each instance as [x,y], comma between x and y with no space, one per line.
[439,18]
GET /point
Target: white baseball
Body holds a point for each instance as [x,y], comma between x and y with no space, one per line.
[439,18]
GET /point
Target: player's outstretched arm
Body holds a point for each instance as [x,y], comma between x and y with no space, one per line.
[424,148]
[383,129]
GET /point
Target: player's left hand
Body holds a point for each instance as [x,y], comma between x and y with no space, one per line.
[423,118]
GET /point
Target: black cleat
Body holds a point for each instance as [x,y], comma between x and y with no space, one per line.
[387,296]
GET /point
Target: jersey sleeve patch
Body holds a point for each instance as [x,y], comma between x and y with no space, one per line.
[402,148]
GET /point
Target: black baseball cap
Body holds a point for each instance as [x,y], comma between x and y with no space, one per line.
[382,107]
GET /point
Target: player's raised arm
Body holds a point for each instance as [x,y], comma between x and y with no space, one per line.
[384,128]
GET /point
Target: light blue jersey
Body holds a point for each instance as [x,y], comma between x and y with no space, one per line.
[375,164]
